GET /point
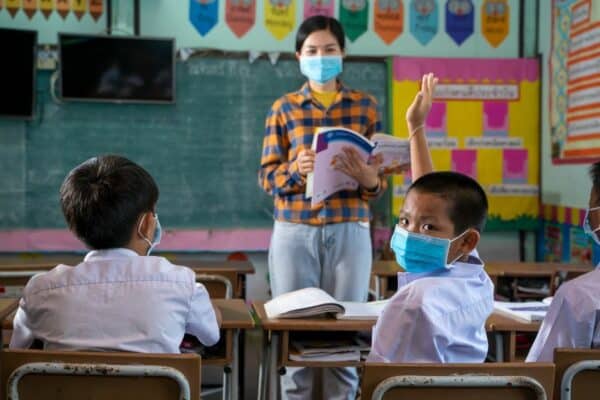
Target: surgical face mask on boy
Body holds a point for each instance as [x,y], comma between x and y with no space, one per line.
[155,239]
[421,253]
[321,69]
[587,227]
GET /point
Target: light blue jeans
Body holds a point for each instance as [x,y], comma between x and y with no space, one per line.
[337,258]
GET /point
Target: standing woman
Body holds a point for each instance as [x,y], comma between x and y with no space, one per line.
[328,245]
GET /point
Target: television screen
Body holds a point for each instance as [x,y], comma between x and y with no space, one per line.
[113,68]
[17,73]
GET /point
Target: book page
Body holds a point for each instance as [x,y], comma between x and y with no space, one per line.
[326,180]
[528,311]
[301,300]
[358,310]
[392,152]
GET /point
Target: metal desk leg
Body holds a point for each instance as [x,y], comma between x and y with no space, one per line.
[235,367]
[263,369]
[227,383]
[499,346]
[273,374]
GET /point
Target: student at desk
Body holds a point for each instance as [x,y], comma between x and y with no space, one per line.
[118,298]
[438,313]
[572,318]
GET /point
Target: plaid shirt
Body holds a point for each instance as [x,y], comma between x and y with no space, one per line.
[290,126]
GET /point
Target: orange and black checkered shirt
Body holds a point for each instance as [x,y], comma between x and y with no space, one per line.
[290,126]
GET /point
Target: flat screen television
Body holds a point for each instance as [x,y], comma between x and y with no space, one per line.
[17,73]
[116,68]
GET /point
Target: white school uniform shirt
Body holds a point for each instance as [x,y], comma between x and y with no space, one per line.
[115,300]
[572,320]
[436,317]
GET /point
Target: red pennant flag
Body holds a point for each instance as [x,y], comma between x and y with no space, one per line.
[96,8]
[240,16]
[30,7]
[62,7]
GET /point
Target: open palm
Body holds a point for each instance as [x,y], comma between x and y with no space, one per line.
[421,105]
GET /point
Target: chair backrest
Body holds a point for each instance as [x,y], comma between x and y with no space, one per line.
[98,383]
[490,381]
[217,286]
[577,374]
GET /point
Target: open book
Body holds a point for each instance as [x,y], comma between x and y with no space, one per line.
[393,153]
[312,302]
[529,311]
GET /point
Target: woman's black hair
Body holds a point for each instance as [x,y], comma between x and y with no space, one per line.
[320,23]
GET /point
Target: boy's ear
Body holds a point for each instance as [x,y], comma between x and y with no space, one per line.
[146,225]
[469,241]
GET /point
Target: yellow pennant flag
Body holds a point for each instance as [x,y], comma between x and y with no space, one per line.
[30,7]
[79,7]
[495,21]
[47,6]
[13,7]
[280,17]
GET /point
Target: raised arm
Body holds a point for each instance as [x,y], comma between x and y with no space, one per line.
[420,157]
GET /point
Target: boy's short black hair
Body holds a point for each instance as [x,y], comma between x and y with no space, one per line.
[103,198]
[320,23]
[467,202]
[595,175]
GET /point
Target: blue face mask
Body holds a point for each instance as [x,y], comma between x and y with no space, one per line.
[587,228]
[156,238]
[421,253]
[321,69]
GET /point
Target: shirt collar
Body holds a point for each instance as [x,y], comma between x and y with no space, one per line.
[109,253]
[306,95]
[458,270]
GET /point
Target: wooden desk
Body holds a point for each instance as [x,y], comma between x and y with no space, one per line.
[275,353]
[505,331]
[383,271]
[17,274]
[235,317]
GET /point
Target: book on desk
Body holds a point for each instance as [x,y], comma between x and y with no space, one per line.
[529,311]
[315,302]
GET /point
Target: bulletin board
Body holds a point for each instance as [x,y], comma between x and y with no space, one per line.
[484,123]
[575,81]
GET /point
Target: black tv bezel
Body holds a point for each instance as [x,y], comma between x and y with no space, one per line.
[32,115]
[118,101]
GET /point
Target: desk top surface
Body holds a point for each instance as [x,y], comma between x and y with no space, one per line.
[235,313]
[502,323]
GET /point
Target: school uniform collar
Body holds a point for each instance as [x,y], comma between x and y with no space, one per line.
[305,94]
[472,267]
[109,253]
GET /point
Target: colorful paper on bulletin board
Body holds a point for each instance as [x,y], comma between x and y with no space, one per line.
[388,19]
[495,21]
[460,20]
[46,7]
[96,9]
[204,15]
[30,8]
[575,82]
[318,7]
[240,16]
[423,15]
[483,123]
[354,16]
[13,6]
[280,17]
[79,7]
[62,7]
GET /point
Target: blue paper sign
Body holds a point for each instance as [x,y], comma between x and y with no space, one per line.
[423,15]
[460,20]
[204,15]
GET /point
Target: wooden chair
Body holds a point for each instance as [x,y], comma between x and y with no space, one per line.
[217,286]
[36,374]
[498,381]
[577,374]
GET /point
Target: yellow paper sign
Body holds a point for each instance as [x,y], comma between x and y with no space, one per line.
[79,7]
[47,6]
[495,17]
[280,17]
[13,7]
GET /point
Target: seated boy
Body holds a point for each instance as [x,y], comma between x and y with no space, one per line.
[438,313]
[118,298]
[572,319]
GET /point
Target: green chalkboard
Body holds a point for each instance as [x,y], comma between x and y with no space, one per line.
[204,151]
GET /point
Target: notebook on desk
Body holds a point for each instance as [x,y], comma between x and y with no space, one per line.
[529,311]
[315,302]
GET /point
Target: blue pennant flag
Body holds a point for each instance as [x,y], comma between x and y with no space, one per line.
[460,20]
[204,15]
